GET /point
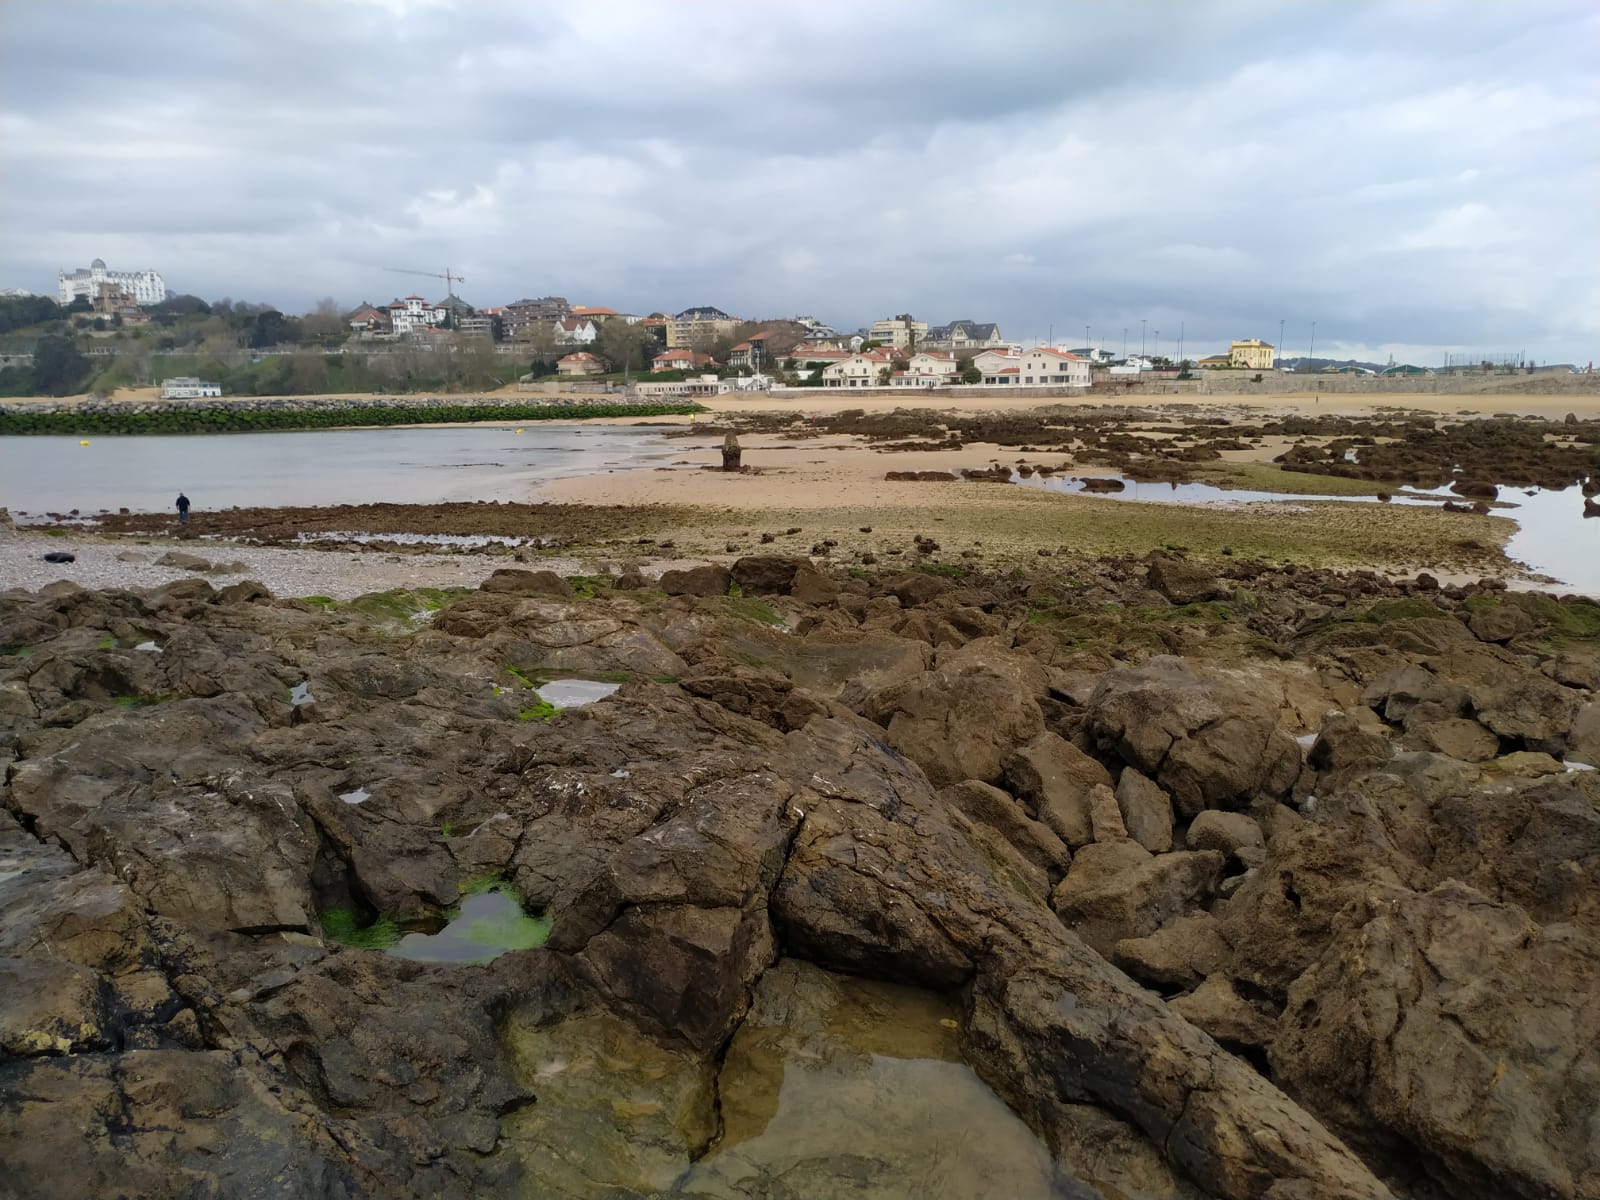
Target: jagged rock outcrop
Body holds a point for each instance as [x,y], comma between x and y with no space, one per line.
[909,781]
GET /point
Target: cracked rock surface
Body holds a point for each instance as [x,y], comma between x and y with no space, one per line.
[845,872]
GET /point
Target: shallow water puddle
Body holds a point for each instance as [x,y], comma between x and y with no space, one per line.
[359,796]
[574,693]
[150,646]
[832,1087]
[486,926]
[300,694]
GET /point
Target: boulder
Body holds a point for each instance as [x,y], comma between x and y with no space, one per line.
[1146,811]
[767,574]
[517,582]
[1178,955]
[960,721]
[1216,1007]
[1499,623]
[912,588]
[1054,779]
[712,579]
[811,586]
[1234,835]
[1343,742]
[989,806]
[1421,1024]
[1459,737]
[1583,737]
[1208,743]
[1182,581]
[1118,890]
[183,561]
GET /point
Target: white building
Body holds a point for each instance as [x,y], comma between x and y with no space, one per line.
[858,371]
[931,368]
[414,313]
[576,331]
[187,387]
[1040,367]
[145,287]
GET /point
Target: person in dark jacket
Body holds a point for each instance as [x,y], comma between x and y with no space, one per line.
[183,509]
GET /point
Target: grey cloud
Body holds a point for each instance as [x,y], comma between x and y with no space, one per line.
[1402,173]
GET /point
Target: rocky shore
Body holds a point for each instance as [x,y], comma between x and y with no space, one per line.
[1266,882]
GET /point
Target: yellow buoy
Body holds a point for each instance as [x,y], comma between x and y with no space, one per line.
[519,431]
[83,443]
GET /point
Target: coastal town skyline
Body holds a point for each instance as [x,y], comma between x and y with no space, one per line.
[1049,171]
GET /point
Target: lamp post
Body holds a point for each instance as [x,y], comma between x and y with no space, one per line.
[1280,335]
[1158,343]
[1312,353]
[1124,341]
[1180,343]
[1141,337]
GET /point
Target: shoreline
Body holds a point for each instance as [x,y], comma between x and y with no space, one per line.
[823,492]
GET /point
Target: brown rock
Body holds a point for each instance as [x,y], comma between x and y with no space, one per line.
[1216,1007]
[1210,744]
[1232,834]
[1054,779]
[767,574]
[1343,742]
[1177,956]
[1146,811]
[517,582]
[1000,811]
[1499,623]
[1182,581]
[712,579]
[1458,737]
[1118,890]
[960,721]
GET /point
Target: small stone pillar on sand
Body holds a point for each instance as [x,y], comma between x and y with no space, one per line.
[731,453]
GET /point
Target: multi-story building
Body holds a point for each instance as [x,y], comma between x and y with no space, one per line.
[520,318]
[144,287]
[1252,354]
[763,350]
[963,338]
[699,327]
[899,333]
[414,313]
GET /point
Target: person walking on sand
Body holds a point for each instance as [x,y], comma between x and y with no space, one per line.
[183,509]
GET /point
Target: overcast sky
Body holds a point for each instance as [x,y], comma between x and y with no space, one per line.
[1410,176]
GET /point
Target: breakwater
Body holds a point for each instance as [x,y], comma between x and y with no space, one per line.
[282,414]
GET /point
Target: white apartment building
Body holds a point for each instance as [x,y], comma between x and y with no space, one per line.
[144,287]
[415,313]
[898,333]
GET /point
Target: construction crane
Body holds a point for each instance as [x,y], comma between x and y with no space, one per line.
[450,277]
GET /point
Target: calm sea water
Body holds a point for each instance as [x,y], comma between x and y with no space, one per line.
[358,466]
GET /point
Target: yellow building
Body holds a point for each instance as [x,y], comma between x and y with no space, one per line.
[1253,355]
